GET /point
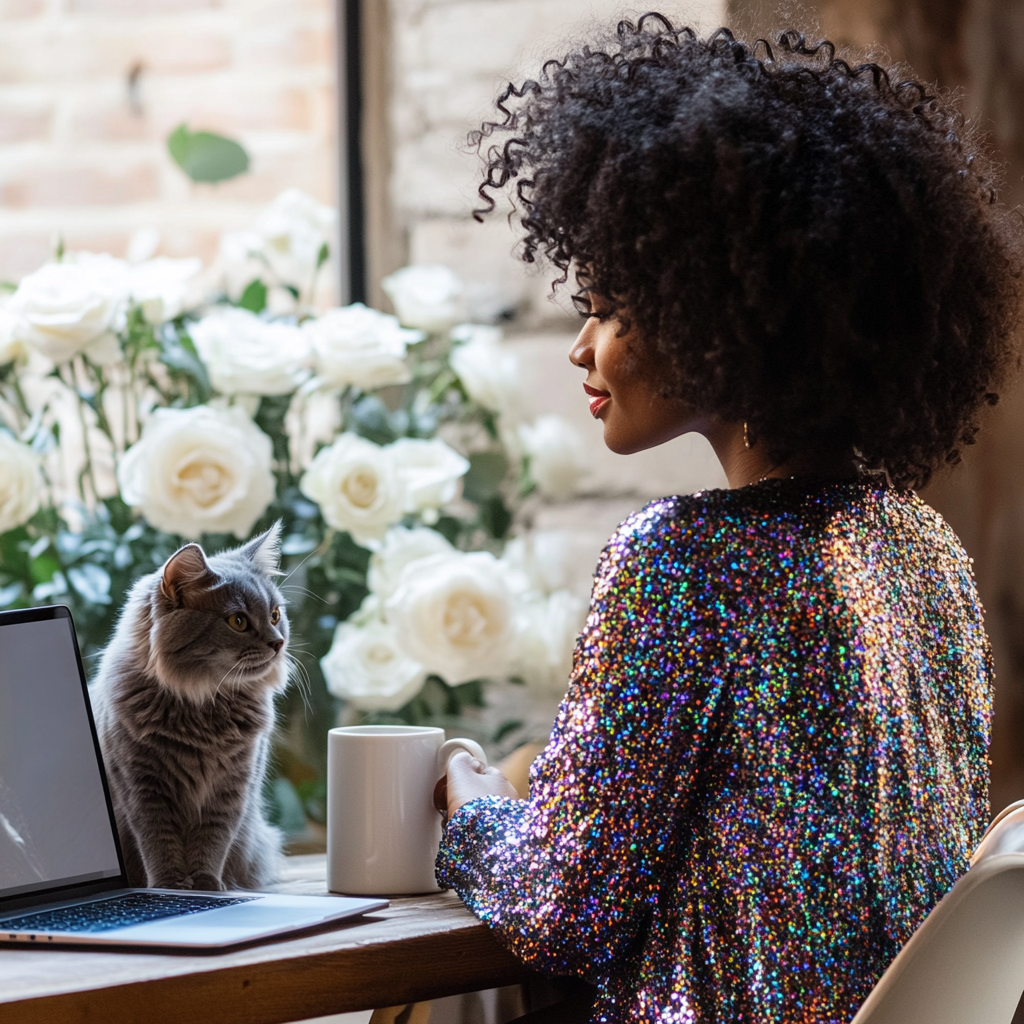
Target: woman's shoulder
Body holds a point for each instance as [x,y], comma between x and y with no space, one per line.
[783,515]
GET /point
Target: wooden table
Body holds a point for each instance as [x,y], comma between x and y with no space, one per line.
[420,948]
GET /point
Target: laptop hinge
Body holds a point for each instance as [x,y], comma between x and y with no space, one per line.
[70,892]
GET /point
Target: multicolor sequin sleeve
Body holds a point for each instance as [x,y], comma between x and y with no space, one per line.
[770,764]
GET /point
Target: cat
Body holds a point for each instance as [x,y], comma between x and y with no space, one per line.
[184,707]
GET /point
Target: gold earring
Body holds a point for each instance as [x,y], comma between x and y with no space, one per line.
[746,436]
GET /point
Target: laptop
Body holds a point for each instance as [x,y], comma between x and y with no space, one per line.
[62,875]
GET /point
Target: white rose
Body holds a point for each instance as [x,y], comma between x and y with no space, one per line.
[357,345]
[313,419]
[238,263]
[165,288]
[63,309]
[292,230]
[455,614]
[400,547]
[427,296]
[488,370]
[539,560]
[357,487]
[366,667]
[431,471]
[556,454]
[548,628]
[247,355]
[20,483]
[10,347]
[199,470]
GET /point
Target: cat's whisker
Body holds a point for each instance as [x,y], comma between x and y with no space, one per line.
[297,568]
[302,683]
[300,671]
[236,667]
[304,590]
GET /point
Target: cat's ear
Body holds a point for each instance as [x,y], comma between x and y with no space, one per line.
[264,551]
[186,568]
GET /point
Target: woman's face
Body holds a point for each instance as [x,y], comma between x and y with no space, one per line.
[625,388]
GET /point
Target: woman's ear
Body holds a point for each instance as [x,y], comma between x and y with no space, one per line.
[186,570]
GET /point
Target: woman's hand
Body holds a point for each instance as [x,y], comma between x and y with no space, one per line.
[468,779]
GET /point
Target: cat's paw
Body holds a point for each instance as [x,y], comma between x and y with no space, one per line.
[206,882]
[173,882]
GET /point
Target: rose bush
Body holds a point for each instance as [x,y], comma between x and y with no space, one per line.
[157,402]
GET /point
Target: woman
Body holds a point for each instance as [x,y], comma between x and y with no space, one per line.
[771,762]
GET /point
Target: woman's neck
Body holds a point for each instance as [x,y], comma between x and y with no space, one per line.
[746,462]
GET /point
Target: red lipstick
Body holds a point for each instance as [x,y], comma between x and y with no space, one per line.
[598,399]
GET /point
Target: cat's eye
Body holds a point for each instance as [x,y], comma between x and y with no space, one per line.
[275,616]
[238,622]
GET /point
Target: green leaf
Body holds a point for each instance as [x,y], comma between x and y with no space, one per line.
[495,518]
[254,298]
[504,729]
[178,352]
[91,581]
[371,419]
[486,472]
[449,527]
[323,255]
[204,156]
[313,793]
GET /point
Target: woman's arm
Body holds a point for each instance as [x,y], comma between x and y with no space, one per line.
[568,877]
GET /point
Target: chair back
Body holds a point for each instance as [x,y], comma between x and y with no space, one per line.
[965,964]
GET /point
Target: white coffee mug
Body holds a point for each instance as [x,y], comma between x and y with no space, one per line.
[383,831]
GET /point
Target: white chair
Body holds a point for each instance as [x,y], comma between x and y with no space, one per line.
[965,964]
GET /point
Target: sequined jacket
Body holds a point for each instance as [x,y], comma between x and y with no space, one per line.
[769,766]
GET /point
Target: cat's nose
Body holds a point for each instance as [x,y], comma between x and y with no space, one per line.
[276,644]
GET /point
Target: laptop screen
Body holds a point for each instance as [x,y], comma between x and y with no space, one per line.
[55,827]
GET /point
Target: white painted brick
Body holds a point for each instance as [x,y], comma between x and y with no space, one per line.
[71,183]
[66,54]
[14,10]
[284,46]
[24,120]
[139,8]
[432,176]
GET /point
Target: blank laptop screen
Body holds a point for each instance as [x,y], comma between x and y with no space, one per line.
[54,824]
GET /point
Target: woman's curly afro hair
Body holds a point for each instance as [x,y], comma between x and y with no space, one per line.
[812,248]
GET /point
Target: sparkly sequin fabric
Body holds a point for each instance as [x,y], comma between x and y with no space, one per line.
[770,765]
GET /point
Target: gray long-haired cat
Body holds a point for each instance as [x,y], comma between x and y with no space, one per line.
[184,708]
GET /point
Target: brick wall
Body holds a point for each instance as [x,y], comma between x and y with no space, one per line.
[448,61]
[89,90]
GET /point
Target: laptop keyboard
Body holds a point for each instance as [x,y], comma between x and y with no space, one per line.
[118,912]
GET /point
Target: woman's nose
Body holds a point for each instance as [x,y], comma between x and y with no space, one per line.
[582,352]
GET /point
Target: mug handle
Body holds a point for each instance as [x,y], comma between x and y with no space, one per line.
[452,747]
